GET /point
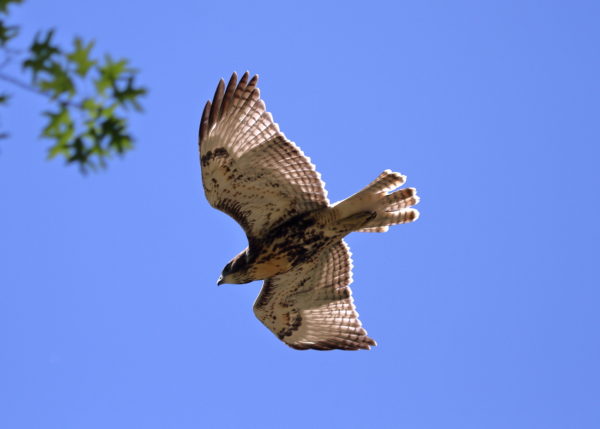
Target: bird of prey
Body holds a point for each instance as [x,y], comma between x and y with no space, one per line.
[252,172]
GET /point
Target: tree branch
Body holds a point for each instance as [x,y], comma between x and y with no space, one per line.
[35,90]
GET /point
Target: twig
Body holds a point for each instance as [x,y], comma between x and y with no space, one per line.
[35,90]
[20,84]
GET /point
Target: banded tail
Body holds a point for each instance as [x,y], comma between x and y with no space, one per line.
[391,207]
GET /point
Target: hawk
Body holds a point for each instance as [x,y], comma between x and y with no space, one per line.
[252,172]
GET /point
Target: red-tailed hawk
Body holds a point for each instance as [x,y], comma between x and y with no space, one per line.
[252,172]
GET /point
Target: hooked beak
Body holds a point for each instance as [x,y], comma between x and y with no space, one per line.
[220,281]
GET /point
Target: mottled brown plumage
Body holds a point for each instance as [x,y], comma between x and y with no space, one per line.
[252,172]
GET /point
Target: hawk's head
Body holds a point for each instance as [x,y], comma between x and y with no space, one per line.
[236,271]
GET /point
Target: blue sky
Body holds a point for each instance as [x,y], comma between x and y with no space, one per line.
[485,310]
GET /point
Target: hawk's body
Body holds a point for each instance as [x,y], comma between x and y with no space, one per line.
[295,237]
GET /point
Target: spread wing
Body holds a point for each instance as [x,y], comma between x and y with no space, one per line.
[311,306]
[250,170]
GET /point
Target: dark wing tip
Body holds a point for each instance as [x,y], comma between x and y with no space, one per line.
[204,123]
[222,100]
[228,96]
[244,80]
[253,81]
[369,342]
[217,100]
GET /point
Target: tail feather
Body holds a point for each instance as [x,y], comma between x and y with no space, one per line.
[385,182]
[389,208]
[386,219]
[400,199]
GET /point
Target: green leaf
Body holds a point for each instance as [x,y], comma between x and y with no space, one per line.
[58,149]
[58,82]
[42,53]
[7,32]
[90,105]
[81,57]
[129,94]
[110,72]
[61,128]
[5,3]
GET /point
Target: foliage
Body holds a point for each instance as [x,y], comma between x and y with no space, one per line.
[90,96]
[7,32]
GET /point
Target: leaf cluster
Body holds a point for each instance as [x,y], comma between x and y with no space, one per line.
[7,32]
[92,95]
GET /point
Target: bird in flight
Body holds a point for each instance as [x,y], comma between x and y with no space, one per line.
[252,172]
